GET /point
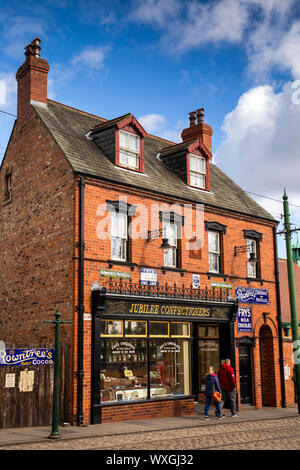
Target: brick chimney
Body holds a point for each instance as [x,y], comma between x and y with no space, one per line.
[197,129]
[32,80]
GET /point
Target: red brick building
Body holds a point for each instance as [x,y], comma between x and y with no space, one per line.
[290,389]
[162,263]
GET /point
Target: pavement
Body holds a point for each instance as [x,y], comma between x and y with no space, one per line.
[14,436]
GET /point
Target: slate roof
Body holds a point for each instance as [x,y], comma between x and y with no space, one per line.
[69,128]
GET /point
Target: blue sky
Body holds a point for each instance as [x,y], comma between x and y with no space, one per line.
[161,59]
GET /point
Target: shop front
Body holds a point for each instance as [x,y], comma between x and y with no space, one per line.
[155,349]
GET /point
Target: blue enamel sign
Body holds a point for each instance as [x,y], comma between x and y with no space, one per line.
[244,319]
[26,357]
[249,295]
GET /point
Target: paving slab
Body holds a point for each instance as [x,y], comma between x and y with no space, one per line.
[11,436]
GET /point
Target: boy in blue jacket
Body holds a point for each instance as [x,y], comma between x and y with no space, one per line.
[212,385]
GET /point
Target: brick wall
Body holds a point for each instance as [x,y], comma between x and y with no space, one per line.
[163,409]
[150,255]
[36,237]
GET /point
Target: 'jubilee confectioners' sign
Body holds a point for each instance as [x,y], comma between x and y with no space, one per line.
[165,310]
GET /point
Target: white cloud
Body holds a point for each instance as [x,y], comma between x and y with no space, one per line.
[268,29]
[91,57]
[260,150]
[157,124]
[8,90]
[152,122]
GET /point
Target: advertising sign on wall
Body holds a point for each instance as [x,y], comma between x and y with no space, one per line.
[249,295]
[26,357]
[148,277]
[244,319]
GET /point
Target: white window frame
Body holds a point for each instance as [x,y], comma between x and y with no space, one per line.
[121,238]
[174,245]
[252,271]
[126,153]
[195,174]
[216,253]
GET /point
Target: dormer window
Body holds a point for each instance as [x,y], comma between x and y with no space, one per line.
[129,156]
[197,171]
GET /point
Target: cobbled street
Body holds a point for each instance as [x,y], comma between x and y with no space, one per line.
[272,434]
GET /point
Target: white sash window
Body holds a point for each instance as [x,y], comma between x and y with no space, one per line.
[119,236]
[214,251]
[197,171]
[129,150]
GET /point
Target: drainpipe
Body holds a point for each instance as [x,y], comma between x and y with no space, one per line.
[80,307]
[279,323]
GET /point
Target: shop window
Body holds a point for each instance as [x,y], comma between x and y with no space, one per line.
[123,374]
[111,328]
[208,351]
[135,328]
[180,329]
[129,362]
[169,367]
[157,328]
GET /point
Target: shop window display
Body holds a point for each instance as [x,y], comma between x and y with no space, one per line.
[162,348]
[169,367]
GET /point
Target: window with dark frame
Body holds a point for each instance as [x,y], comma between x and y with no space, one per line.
[8,185]
[214,252]
[253,239]
[120,216]
[215,235]
[252,269]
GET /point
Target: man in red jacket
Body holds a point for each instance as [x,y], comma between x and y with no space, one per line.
[228,386]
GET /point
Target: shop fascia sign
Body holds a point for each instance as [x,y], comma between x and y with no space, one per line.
[26,357]
[250,295]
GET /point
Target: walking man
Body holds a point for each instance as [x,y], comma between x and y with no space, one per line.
[228,385]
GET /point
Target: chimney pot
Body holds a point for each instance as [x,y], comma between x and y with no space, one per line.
[200,115]
[198,129]
[192,118]
[33,49]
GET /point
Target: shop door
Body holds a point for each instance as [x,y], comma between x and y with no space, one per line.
[245,375]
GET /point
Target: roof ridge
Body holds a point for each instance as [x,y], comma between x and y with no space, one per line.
[77,110]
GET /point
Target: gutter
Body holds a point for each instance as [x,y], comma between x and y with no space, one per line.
[80,307]
[279,323]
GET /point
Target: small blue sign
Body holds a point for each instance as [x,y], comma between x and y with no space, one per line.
[148,277]
[26,357]
[244,319]
[249,295]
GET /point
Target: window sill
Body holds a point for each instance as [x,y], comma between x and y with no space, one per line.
[255,279]
[176,270]
[209,275]
[111,262]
